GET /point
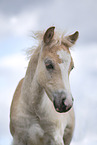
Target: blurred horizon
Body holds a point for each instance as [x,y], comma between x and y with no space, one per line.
[18,19]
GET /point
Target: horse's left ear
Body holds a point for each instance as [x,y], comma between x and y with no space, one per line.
[71,39]
[48,35]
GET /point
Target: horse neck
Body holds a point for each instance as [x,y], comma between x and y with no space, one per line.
[30,71]
[32,66]
[31,90]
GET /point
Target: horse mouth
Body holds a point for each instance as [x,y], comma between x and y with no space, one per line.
[62,108]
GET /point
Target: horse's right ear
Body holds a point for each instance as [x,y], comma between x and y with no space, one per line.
[48,35]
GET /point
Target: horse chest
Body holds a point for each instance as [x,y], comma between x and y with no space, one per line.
[51,119]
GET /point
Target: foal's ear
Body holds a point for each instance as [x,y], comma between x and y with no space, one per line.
[70,40]
[48,35]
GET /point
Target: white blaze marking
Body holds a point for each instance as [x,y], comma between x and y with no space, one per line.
[64,67]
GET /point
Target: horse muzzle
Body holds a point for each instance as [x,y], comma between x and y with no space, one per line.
[63,102]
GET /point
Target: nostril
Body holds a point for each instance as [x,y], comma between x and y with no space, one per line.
[63,101]
[66,102]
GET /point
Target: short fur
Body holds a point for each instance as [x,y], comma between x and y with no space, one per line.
[33,118]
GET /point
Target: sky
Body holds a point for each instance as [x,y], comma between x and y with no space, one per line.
[18,19]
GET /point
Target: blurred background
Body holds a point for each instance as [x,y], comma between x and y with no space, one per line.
[17,21]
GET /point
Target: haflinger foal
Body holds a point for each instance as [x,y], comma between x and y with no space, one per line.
[41,111]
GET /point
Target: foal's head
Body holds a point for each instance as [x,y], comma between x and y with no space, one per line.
[54,66]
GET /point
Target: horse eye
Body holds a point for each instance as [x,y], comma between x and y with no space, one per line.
[49,66]
[72,68]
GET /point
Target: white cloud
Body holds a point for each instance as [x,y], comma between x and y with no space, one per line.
[19,24]
[14,61]
[88,140]
[66,15]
